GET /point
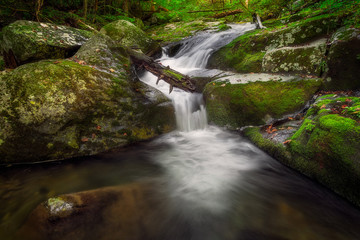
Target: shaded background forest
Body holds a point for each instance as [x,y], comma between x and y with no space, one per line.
[87,14]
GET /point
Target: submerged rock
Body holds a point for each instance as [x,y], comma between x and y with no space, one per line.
[26,41]
[344,60]
[325,146]
[57,109]
[129,35]
[121,212]
[255,103]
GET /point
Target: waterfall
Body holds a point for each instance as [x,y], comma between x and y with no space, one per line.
[193,55]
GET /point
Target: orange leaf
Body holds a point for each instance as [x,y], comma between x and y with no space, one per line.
[287,141]
[84,139]
[323,106]
[111,70]
[98,127]
[125,134]
[344,106]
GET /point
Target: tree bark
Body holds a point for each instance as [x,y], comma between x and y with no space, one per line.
[174,78]
[228,13]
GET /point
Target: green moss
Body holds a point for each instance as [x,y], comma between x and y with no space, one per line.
[276,150]
[249,104]
[256,42]
[174,74]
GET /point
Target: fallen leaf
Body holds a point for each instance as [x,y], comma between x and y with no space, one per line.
[287,141]
[97,50]
[56,62]
[125,134]
[98,127]
[223,85]
[93,136]
[213,83]
[344,106]
[323,106]
[81,62]
[111,70]
[291,118]
[85,139]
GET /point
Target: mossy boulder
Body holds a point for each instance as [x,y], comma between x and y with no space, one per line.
[245,53]
[129,35]
[325,147]
[27,41]
[55,109]
[306,59]
[344,60]
[126,212]
[238,105]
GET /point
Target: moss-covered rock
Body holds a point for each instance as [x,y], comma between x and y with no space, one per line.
[127,212]
[27,41]
[129,35]
[58,109]
[306,59]
[326,146]
[344,60]
[238,105]
[245,53]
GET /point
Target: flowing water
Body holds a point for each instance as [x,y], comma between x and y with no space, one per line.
[216,184]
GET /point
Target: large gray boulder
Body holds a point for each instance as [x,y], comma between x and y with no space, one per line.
[305,59]
[55,109]
[344,60]
[26,41]
[129,35]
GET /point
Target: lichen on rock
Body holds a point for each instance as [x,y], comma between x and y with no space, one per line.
[129,35]
[238,105]
[325,146]
[78,107]
[26,41]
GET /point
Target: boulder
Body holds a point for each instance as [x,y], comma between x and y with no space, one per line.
[26,41]
[245,53]
[344,60]
[305,59]
[56,109]
[129,35]
[119,212]
[255,103]
[325,146]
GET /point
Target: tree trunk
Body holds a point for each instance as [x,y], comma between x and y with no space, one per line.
[174,78]
[85,8]
[257,21]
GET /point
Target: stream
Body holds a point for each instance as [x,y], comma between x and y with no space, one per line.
[220,186]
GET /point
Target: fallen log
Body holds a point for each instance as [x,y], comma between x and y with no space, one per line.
[174,78]
[228,13]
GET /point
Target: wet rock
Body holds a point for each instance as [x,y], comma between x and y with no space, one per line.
[245,53]
[129,35]
[27,41]
[120,212]
[344,60]
[324,147]
[306,59]
[255,103]
[58,109]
